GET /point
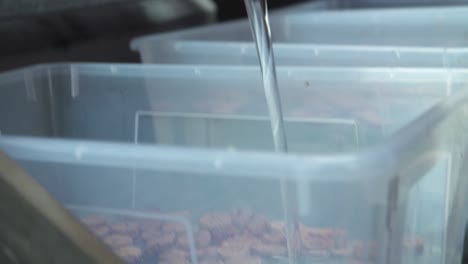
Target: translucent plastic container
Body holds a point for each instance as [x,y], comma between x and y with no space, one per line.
[398,3]
[308,6]
[392,28]
[395,195]
[245,53]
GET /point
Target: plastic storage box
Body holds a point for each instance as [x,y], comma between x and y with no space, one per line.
[398,3]
[393,28]
[307,6]
[399,199]
[245,53]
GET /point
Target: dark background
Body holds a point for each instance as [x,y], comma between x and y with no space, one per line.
[232,9]
[37,31]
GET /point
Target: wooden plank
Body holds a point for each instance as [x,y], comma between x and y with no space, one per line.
[34,228]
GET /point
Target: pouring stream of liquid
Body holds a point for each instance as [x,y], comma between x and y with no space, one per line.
[257,12]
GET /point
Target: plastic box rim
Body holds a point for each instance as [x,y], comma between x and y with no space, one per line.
[347,166]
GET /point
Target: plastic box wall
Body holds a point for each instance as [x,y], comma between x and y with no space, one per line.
[136,104]
[343,188]
[307,6]
[398,3]
[245,53]
[393,28]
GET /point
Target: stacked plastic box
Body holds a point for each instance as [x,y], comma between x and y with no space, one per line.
[415,37]
[172,163]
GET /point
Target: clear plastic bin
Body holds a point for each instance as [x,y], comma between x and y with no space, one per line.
[398,3]
[399,199]
[307,6]
[392,28]
[228,109]
[245,53]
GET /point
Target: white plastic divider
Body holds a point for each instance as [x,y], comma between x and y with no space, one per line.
[207,117]
[303,190]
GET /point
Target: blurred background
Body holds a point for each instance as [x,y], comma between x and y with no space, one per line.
[36,31]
